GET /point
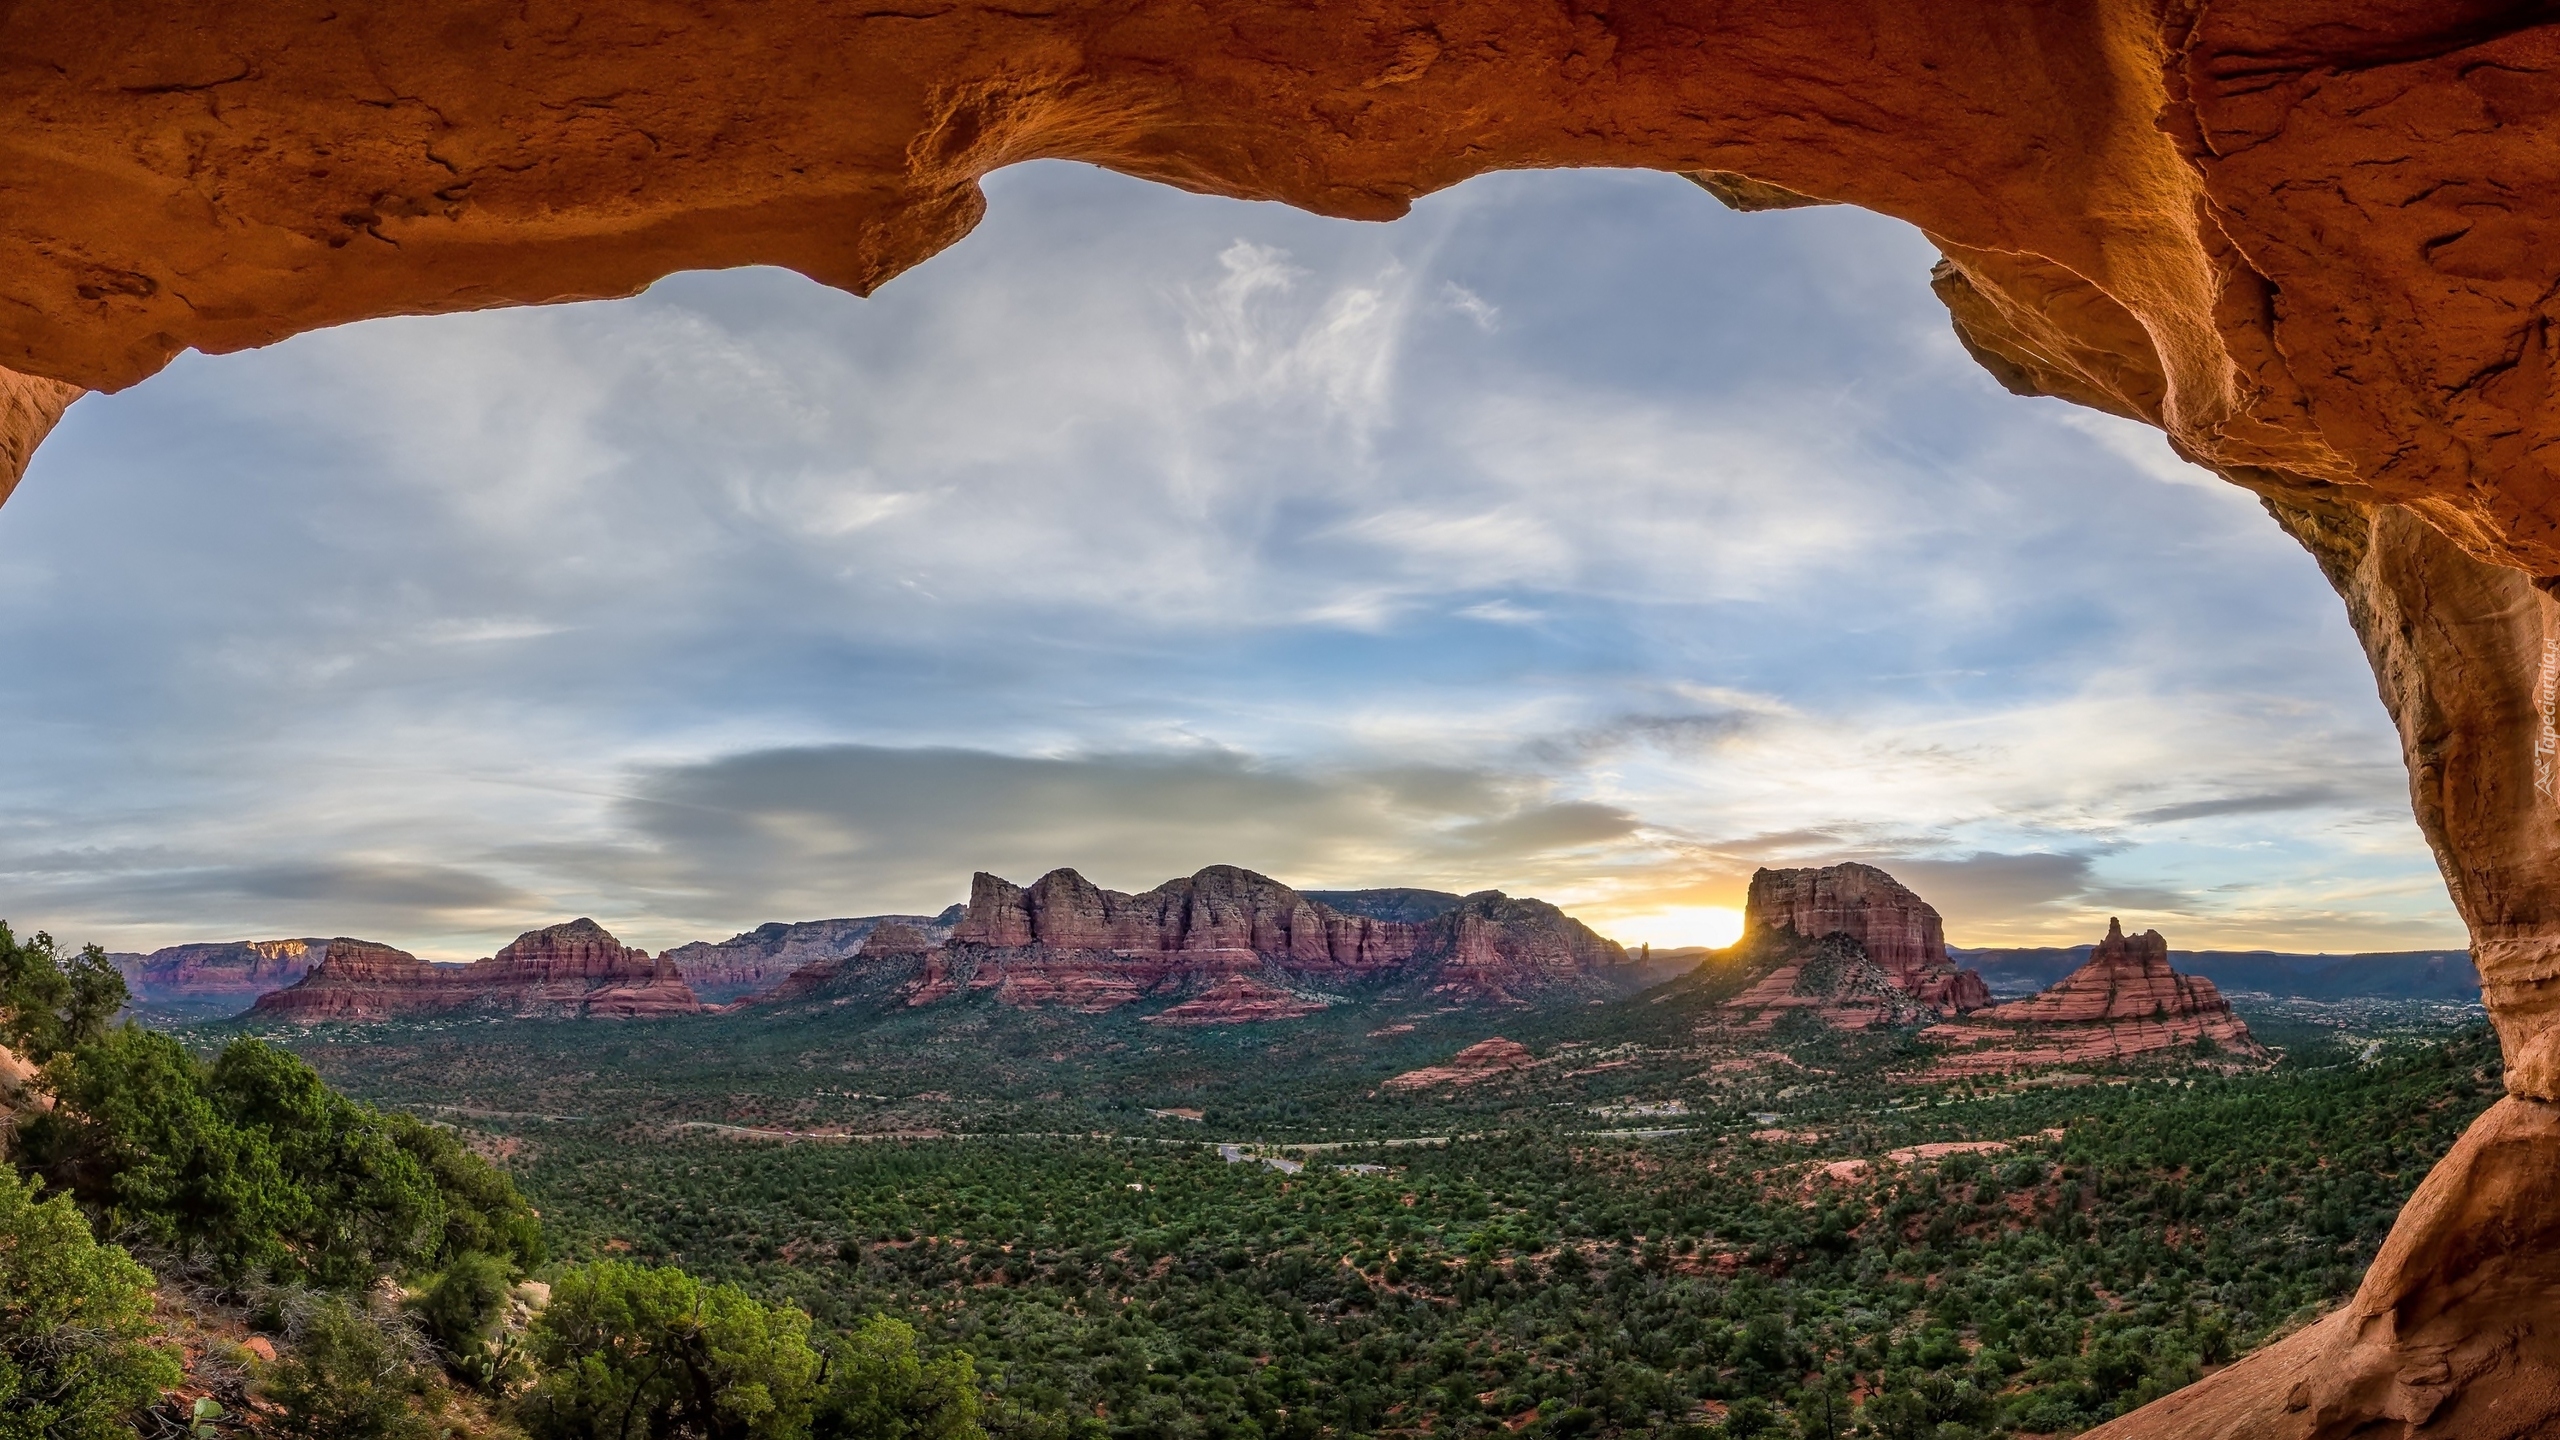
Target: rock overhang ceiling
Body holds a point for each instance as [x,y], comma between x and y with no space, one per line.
[2314,244]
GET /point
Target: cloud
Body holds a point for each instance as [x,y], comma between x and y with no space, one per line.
[797,830]
[2302,798]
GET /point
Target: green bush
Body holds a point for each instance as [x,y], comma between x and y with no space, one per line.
[343,1378]
[256,1165]
[877,1387]
[634,1353]
[75,1320]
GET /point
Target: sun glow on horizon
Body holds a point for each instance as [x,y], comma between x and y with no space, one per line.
[1715,926]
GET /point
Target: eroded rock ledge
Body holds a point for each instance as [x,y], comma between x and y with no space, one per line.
[2311,243]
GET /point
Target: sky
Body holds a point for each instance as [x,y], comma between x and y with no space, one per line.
[1572,536]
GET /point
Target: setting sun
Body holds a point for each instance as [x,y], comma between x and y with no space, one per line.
[1712,925]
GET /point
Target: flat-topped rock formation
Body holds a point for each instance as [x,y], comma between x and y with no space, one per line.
[566,971]
[2125,1004]
[1898,931]
[760,959]
[223,975]
[1064,941]
[1484,1060]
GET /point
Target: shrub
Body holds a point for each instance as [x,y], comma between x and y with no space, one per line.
[463,1307]
[877,1387]
[635,1353]
[343,1378]
[255,1164]
[74,1320]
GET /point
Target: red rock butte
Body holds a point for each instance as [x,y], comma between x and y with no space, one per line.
[2125,1004]
[1901,933]
[2309,242]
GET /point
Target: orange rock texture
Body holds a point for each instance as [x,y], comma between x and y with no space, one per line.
[567,971]
[2124,1004]
[1897,931]
[2311,243]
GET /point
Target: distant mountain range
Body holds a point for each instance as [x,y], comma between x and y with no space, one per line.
[2381,975]
[1223,946]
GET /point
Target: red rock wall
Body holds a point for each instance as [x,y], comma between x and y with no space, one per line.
[564,971]
[239,970]
[1066,941]
[1901,933]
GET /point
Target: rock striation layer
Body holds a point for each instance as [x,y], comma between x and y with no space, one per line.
[1064,941]
[1897,931]
[2125,1004]
[1829,979]
[220,975]
[1482,1061]
[760,959]
[570,971]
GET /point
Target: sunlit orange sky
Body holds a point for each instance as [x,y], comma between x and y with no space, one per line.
[1573,537]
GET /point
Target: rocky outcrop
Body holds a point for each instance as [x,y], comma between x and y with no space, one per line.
[1482,1061]
[570,971]
[764,957]
[218,975]
[1829,979]
[1239,1000]
[894,939]
[1896,930]
[1064,941]
[2125,1004]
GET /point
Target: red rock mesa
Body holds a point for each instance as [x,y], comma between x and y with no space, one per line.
[1067,942]
[563,972]
[1850,944]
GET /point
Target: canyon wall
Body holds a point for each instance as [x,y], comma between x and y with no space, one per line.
[1261,949]
[2307,242]
[212,975]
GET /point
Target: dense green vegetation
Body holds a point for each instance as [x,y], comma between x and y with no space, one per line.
[1658,1228]
[278,1204]
[1603,1284]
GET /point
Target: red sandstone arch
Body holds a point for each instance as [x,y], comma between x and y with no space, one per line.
[2318,245]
